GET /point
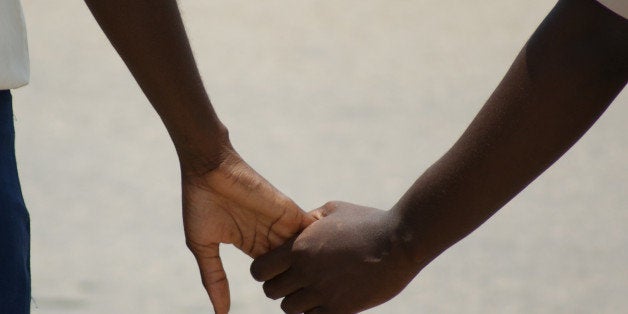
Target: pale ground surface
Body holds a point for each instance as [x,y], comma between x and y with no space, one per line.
[347,100]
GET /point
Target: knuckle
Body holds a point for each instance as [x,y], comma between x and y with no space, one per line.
[299,249]
[330,205]
[303,259]
[215,278]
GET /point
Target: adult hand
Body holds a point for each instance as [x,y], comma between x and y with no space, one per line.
[224,200]
[351,259]
[233,204]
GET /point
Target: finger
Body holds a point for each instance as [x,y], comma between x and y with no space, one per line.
[316,310]
[272,263]
[214,277]
[283,285]
[300,301]
[307,220]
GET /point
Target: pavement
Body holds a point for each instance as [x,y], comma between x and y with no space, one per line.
[329,100]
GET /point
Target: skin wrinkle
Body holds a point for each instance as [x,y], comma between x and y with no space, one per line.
[253,242]
[242,241]
[241,244]
[222,275]
[272,224]
[197,245]
[268,244]
[268,232]
[202,164]
[240,176]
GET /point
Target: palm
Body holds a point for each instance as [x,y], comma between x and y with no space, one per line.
[233,204]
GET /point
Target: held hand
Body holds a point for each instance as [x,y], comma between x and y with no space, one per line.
[233,204]
[349,260]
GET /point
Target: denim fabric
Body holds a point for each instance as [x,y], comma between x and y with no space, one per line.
[15,287]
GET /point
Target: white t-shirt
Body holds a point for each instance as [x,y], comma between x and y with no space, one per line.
[14,65]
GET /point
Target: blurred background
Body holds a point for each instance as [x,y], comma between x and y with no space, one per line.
[347,100]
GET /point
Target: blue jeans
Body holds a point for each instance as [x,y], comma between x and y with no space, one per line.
[15,286]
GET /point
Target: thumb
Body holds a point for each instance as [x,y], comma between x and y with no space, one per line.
[214,277]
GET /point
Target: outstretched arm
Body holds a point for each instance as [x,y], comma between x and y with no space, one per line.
[224,200]
[564,78]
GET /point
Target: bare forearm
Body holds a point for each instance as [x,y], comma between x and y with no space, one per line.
[150,37]
[562,81]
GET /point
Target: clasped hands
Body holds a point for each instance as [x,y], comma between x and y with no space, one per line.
[339,258]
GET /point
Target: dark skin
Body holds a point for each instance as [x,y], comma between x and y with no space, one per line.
[338,260]
[224,199]
[354,257]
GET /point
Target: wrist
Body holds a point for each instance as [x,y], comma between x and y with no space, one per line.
[198,156]
[414,244]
